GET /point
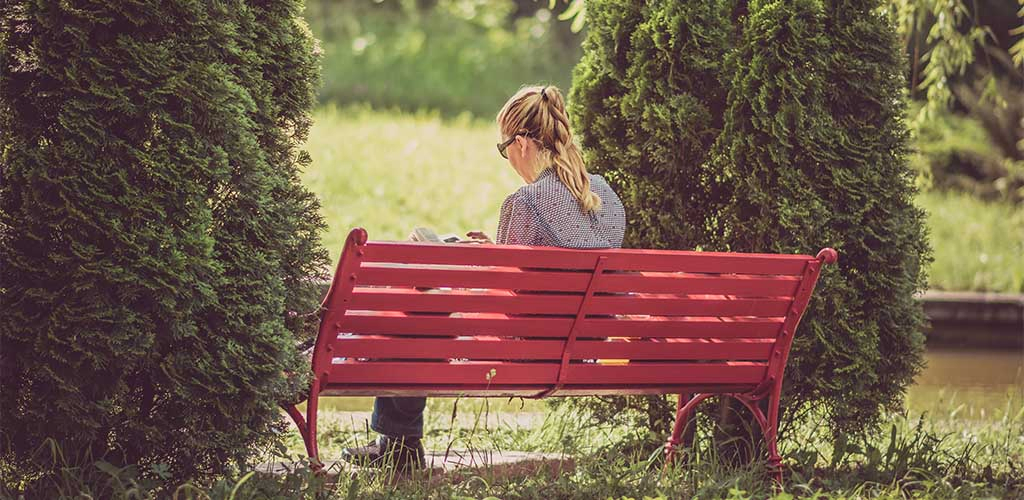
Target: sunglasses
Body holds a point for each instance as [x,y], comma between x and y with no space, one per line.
[504,145]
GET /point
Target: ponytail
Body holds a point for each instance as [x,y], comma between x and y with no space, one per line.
[541,112]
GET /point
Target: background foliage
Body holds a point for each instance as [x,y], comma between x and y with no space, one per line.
[154,234]
[453,56]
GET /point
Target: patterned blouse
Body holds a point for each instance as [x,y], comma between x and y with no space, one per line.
[545,213]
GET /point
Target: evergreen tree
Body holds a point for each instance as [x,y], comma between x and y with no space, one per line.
[648,101]
[817,147]
[780,131]
[153,233]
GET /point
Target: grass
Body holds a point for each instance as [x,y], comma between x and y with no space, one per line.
[390,172]
[978,245]
[944,453]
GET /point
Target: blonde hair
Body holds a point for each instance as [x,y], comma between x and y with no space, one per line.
[539,113]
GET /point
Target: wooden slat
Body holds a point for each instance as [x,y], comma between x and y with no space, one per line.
[505,391]
[390,323]
[403,299]
[495,348]
[667,373]
[443,373]
[559,258]
[737,285]
[682,327]
[514,278]
[669,305]
[674,349]
[476,373]
[385,323]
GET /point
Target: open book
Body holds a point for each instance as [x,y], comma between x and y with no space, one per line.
[427,235]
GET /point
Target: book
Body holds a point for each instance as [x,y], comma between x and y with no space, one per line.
[427,235]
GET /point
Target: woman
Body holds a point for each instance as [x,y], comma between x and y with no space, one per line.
[561,205]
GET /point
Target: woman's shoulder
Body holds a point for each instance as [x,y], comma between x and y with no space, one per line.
[599,185]
[598,179]
[519,199]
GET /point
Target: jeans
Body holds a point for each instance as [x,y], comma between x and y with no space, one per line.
[398,417]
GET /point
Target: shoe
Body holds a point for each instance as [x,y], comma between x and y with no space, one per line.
[403,453]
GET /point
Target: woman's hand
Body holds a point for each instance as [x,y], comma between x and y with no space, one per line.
[477,237]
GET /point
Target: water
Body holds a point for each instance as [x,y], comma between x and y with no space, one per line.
[981,380]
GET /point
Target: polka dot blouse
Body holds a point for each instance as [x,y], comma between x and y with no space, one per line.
[545,213]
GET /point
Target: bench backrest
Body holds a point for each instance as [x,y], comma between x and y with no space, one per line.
[413,318]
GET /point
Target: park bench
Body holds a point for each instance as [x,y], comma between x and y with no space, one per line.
[413,319]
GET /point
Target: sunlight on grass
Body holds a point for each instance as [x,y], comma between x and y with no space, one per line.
[390,172]
[977,245]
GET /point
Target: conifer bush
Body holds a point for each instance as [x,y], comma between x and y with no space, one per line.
[159,255]
[648,102]
[807,149]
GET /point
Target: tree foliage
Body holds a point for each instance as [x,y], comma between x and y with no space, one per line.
[154,235]
[776,126]
[967,60]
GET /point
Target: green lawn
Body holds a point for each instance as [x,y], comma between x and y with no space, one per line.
[389,172]
[978,245]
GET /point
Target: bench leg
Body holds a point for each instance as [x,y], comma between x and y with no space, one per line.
[300,422]
[311,413]
[769,430]
[684,409]
[771,433]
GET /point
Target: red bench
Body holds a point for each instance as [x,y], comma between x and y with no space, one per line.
[542,321]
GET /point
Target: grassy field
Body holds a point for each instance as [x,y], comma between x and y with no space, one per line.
[978,245]
[390,172]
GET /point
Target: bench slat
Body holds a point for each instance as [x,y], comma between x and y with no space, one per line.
[498,324]
[558,258]
[505,391]
[407,299]
[475,373]
[503,349]
[513,278]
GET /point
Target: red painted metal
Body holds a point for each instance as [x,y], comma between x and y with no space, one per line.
[476,373]
[501,348]
[513,278]
[563,258]
[525,391]
[553,320]
[503,301]
[574,331]
[367,322]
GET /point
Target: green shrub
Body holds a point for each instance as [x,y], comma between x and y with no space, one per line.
[153,233]
[808,150]
[648,122]
[817,143]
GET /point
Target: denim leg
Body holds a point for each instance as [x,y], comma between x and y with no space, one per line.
[398,416]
